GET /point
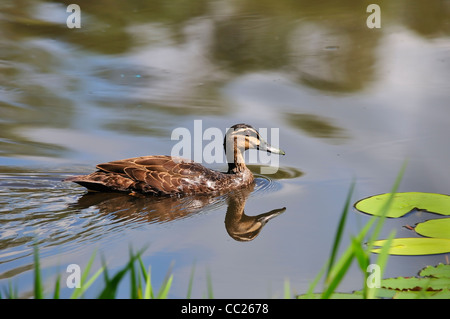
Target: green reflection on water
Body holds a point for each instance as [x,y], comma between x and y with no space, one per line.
[57,77]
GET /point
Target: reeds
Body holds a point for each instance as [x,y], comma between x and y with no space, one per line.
[358,249]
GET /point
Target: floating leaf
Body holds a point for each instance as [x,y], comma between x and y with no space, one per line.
[415,283]
[335,295]
[439,271]
[442,294]
[434,228]
[415,246]
[403,203]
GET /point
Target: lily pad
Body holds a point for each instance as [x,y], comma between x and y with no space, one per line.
[415,246]
[415,283]
[403,203]
[434,228]
[439,271]
[441,294]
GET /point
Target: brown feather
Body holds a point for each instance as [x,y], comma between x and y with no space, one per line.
[167,175]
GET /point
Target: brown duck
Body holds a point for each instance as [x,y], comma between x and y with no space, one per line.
[174,176]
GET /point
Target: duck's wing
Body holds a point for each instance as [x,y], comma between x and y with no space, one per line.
[161,175]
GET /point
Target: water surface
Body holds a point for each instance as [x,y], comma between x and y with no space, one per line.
[350,103]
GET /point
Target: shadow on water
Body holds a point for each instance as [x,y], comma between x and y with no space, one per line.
[145,209]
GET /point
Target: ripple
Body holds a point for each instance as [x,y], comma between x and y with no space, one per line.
[280,172]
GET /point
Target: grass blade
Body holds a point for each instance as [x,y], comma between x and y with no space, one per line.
[191,282]
[338,276]
[209,284]
[148,292]
[10,292]
[386,207]
[148,285]
[361,255]
[145,273]
[83,284]
[133,286]
[310,292]
[287,289]
[340,229]
[57,287]
[111,285]
[164,290]
[381,262]
[80,291]
[38,290]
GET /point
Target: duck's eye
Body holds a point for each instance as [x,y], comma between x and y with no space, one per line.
[250,133]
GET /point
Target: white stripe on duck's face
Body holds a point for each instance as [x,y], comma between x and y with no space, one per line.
[238,140]
[244,138]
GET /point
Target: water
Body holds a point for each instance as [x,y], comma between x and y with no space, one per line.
[349,102]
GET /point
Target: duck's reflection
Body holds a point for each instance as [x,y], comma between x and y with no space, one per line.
[239,226]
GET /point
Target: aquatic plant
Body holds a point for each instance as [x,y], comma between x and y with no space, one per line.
[431,283]
[437,230]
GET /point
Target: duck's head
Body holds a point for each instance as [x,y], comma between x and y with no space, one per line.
[241,137]
[244,137]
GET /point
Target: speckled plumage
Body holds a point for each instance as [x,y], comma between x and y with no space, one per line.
[173,176]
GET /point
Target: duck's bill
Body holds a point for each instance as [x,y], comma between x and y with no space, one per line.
[270,149]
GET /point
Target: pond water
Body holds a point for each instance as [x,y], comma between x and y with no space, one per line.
[350,102]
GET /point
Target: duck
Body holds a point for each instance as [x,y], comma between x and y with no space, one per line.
[164,175]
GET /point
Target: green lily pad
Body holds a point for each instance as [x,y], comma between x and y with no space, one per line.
[403,203]
[439,271]
[441,294]
[415,246]
[414,283]
[439,228]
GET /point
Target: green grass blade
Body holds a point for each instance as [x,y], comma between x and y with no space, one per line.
[38,289]
[148,291]
[310,293]
[287,289]
[143,270]
[209,285]
[148,285]
[10,292]
[348,253]
[340,229]
[164,290]
[166,280]
[386,207]
[381,262]
[57,288]
[133,285]
[338,276]
[111,285]
[360,254]
[363,258]
[80,291]
[87,268]
[191,282]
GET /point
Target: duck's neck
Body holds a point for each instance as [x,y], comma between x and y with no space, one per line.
[237,165]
